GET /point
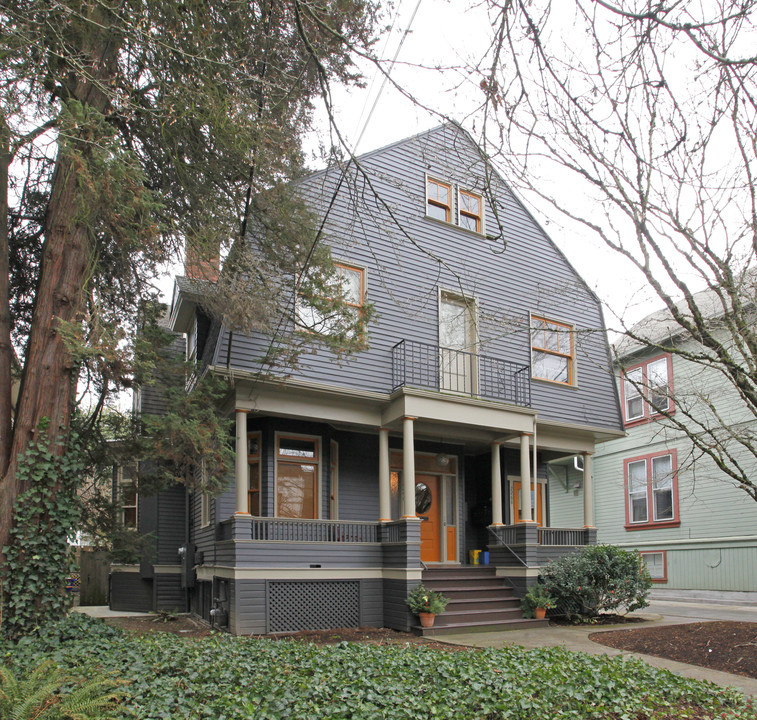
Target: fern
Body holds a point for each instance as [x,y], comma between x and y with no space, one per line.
[48,693]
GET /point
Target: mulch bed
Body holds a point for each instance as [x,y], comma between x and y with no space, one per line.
[727,646]
[190,627]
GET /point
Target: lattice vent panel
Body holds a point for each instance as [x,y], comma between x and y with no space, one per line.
[313,605]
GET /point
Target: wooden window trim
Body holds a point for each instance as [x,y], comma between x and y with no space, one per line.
[649,414]
[288,459]
[464,213]
[338,266]
[447,207]
[120,485]
[538,348]
[664,554]
[650,523]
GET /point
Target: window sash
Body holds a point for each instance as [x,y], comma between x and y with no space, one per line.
[438,199]
[633,398]
[650,487]
[552,350]
[470,207]
[657,385]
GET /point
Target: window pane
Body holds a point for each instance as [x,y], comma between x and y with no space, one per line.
[296,491]
[130,517]
[639,508]
[297,447]
[634,400]
[662,472]
[435,211]
[450,502]
[634,407]
[352,281]
[657,380]
[469,223]
[637,476]
[655,564]
[550,367]
[663,504]
[253,445]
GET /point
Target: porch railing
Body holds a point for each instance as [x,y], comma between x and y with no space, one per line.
[314,531]
[416,364]
[504,534]
[560,536]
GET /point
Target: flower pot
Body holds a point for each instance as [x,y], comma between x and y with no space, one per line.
[540,613]
[427,619]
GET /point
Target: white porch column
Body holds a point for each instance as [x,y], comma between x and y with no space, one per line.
[385,490]
[241,468]
[496,486]
[525,481]
[408,467]
[588,491]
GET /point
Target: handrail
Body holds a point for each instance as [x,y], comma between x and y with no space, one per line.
[329,531]
[501,542]
[418,364]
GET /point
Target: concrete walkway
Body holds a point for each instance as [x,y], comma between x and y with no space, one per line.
[103,611]
[577,639]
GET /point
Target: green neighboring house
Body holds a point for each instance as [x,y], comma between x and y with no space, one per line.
[695,529]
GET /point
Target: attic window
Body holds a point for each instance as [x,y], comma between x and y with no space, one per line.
[470,211]
[438,199]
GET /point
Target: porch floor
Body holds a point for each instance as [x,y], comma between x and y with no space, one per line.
[479,601]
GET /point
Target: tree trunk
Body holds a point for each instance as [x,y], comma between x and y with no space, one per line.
[49,377]
[6,351]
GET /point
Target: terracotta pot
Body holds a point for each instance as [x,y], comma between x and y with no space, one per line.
[427,619]
[540,613]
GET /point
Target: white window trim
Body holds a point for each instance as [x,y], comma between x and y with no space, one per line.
[319,470]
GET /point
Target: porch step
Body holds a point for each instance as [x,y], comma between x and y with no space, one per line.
[479,601]
[478,627]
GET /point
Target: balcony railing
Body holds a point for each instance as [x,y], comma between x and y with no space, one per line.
[314,531]
[416,364]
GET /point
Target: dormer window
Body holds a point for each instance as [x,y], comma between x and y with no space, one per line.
[438,200]
[470,211]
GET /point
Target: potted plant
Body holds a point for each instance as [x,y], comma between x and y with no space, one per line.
[426,604]
[536,602]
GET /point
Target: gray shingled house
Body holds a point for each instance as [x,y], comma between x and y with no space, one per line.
[487,360]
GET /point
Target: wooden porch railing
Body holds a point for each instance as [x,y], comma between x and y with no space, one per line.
[560,536]
[314,531]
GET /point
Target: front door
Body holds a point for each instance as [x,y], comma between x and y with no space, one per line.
[428,509]
[537,502]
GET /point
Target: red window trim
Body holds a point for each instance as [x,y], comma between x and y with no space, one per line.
[664,554]
[648,416]
[650,523]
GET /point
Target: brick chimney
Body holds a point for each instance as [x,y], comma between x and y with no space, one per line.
[201,263]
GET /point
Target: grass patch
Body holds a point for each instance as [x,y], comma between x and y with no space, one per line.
[226,678]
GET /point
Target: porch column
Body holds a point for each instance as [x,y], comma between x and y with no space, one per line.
[241,468]
[588,491]
[385,490]
[496,486]
[408,467]
[525,481]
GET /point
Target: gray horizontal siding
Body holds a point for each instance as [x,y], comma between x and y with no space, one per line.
[169,595]
[248,613]
[396,613]
[372,603]
[286,554]
[130,593]
[404,270]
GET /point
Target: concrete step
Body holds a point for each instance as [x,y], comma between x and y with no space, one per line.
[478,616]
[463,627]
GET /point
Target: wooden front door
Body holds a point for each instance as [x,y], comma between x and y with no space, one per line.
[428,509]
[537,503]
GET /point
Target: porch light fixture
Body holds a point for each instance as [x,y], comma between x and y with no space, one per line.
[442,459]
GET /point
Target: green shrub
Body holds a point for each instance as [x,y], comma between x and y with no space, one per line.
[598,579]
[48,693]
[421,599]
[536,597]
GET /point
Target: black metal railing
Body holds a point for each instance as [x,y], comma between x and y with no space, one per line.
[416,364]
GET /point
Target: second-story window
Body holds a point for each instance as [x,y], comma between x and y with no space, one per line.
[438,200]
[552,351]
[646,389]
[470,211]
[352,282]
[651,490]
